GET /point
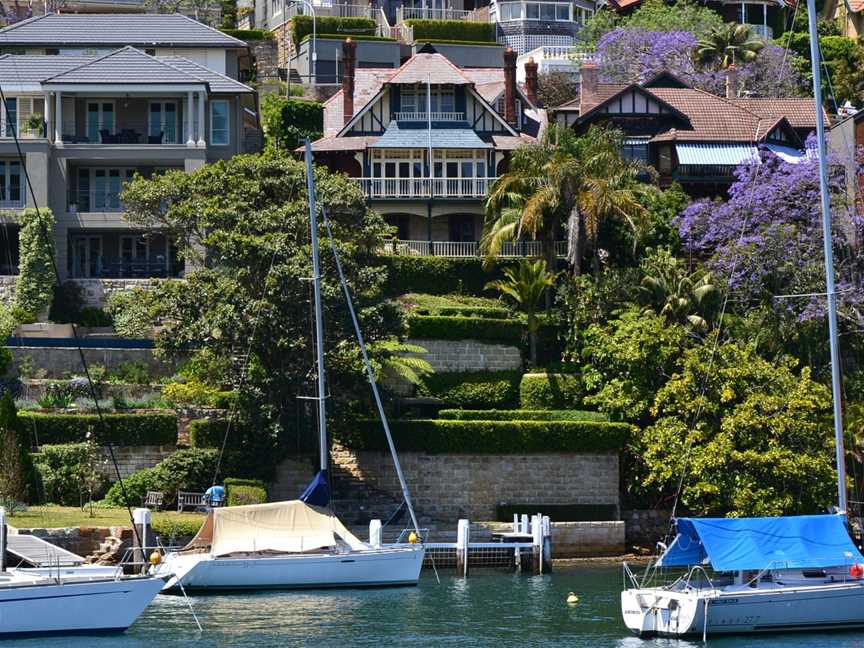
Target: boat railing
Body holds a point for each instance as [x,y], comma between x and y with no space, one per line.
[694,570]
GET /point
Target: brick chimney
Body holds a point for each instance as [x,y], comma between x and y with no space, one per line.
[531,81]
[588,73]
[732,82]
[510,86]
[349,62]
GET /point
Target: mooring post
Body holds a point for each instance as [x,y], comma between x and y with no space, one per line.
[536,544]
[546,555]
[515,523]
[2,539]
[463,538]
[375,533]
[524,529]
[141,518]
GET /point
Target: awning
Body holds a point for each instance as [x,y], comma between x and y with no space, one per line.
[733,544]
[416,136]
[787,153]
[716,154]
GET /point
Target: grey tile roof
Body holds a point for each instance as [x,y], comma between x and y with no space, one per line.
[218,82]
[34,69]
[128,66]
[143,30]
[417,136]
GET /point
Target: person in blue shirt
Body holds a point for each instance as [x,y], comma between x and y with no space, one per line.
[214,496]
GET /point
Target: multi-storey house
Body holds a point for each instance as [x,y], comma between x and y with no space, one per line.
[96,100]
[426,142]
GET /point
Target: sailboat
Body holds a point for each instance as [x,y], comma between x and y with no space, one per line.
[299,543]
[768,574]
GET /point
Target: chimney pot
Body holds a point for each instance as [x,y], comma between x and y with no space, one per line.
[349,62]
[731,82]
[510,86]
[531,81]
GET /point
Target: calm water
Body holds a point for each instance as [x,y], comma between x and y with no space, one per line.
[489,609]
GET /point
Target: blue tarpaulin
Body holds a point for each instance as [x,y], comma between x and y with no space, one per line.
[733,544]
[317,493]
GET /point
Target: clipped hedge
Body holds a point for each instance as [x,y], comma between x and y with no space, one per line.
[207,433]
[491,437]
[439,276]
[544,391]
[245,495]
[474,390]
[248,34]
[230,482]
[486,312]
[442,41]
[442,327]
[287,121]
[342,37]
[521,415]
[302,25]
[452,30]
[196,393]
[171,527]
[133,429]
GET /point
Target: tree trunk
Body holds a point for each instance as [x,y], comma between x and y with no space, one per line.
[551,260]
[575,240]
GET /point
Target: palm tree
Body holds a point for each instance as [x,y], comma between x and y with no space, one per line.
[525,285]
[728,45]
[670,289]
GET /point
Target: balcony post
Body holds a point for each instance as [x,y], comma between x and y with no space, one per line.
[189,112]
[765,20]
[201,128]
[48,111]
[58,119]
[429,226]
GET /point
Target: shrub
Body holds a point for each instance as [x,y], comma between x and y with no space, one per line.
[474,390]
[342,37]
[172,528]
[287,121]
[135,485]
[521,415]
[197,393]
[229,482]
[244,495]
[550,391]
[69,475]
[248,34]
[444,41]
[120,429]
[438,276]
[250,448]
[19,480]
[129,310]
[93,317]
[491,437]
[131,373]
[35,285]
[490,312]
[453,30]
[207,433]
[438,327]
[302,25]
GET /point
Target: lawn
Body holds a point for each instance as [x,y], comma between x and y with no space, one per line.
[50,517]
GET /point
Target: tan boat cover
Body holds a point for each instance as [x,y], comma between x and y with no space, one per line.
[284,527]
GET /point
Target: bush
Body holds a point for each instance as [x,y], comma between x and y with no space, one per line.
[474,390]
[436,327]
[252,450]
[302,25]
[444,41]
[288,121]
[550,391]
[355,37]
[197,393]
[120,429]
[248,34]
[245,495]
[521,415]
[491,437]
[453,30]
[34,288]
[129,310]
[136,486]
[131,373]
[172,528]
[230,482]
[486,312]
[69,476]
[438,276]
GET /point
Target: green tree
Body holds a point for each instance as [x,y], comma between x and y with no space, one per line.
[17,475]
[288,121]
[251,300]
[556,88]
[525,285]
[660,16]
[672,290]
[728,45]
[34,286]
[750,437]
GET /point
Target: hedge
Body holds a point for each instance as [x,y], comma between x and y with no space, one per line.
[230,482]
[442,327]
[342,37]
[196,393]
[207,433]
[302,25]
[171,527]
[474,390]
[521,415]
[287,121]
[248,34]
[120,429]
[245,495]
[453,30]
[491,437]
[550,391]
[487,312]
[443,41]
[439,276]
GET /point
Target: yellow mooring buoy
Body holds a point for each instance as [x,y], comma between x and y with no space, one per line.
[572,599]
[155,558]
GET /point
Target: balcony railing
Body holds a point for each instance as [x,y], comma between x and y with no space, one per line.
[546,11]
[12,204]
[468,249]
[24,132]
[431,13]
[426,187]
[117,268]
[332,9]
[436,116]
[96,201]
[124,132]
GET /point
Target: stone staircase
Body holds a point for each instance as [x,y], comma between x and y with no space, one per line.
[111,550]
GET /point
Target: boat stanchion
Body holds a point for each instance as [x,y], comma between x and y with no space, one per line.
[463,538]
[2,539]
[536,544]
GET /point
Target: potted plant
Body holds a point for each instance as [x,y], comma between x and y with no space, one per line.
[35,124]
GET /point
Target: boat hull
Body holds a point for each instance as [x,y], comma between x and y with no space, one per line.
[82,607]
[658,612]
[373,568]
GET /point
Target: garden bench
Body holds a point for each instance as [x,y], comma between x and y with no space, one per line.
[185,498]
[153,500]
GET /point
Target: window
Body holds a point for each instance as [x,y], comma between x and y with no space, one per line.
[10,184]
[150,52]
[100,120]
[9,116]
[219,135]
[441,99]
[52,51]
[162,125]
[99,189]
[409,99]
[562,12]
[636,150]
[86,257]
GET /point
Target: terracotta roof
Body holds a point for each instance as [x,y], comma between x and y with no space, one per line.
[800,111]
[367,83]
[432,68]
[711,118]
[603,92]
[352,143]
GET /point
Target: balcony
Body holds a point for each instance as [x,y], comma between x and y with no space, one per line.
[7,203]
[431,13]
[331,9]
[467,249]
[425,188]
[435,116]
[540,11]
[125,132]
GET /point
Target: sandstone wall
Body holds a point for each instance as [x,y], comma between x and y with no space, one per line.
[131,459]
[469,355]
[61,362]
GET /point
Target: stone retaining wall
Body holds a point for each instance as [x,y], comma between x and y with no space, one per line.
[645,528]
[94,292]
[131,459]
[469,355]
[264,56]
[79,540]
[61,362]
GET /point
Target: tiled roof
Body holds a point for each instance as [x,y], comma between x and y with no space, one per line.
[35,68]
[491,91]
[351,143]
[406,136]
[603,91]
[367,83]
[217,82]
[143,30]
[800,111]
[128,66]
[711,117]
[432,68]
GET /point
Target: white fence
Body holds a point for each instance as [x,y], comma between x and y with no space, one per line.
[426,187]
[468,249]
[430,13]
[436,116]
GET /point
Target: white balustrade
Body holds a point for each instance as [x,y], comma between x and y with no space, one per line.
[431,13]
[468,249]
[421,187]
[436,116]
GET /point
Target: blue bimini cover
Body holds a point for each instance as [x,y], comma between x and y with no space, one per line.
[317,493]
[733,544]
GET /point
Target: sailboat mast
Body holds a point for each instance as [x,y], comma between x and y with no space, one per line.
[829,258]
[319,317]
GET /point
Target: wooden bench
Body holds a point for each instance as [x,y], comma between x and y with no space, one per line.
[185,498]
[153,500]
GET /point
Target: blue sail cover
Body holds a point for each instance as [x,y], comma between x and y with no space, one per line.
[733,544]
[317,493]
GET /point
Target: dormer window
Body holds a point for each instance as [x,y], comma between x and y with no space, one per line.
[414,100]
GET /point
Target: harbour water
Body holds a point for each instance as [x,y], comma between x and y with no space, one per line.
[491,608]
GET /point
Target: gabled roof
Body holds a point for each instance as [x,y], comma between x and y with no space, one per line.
[635,87]
[453,136]
[114,30]
[15,68]
[432,68]
[800,111]
[128,66]
[217,82]
[367,84]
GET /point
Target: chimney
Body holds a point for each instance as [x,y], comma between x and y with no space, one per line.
[510,86]
[588,74]
[531,81]
[349,61]
[732,82]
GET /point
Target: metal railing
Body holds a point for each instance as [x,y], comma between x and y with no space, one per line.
[559,53]
[426,187]
[124,132]
[468,249]
[332,9]
[431,13]
[103,200]
[546,11]
[436,116]
[115,268]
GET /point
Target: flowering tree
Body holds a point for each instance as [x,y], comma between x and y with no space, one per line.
[636,55]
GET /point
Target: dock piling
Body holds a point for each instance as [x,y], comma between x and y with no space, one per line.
[546,551]
[463,539]
[144,538]
[2,539]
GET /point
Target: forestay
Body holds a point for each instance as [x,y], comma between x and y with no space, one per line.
[733,544]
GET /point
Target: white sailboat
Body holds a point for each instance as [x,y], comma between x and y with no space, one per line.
[301,543]
[62,602]
[769,574]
